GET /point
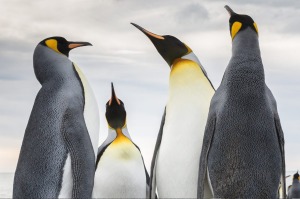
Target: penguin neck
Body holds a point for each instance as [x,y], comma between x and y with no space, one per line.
[296,181]
[120,137]
[245,69]
[51,66]
[186,80]
[246,43]
[119,132]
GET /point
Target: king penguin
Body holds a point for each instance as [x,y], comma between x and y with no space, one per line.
[120,169]
[294,190]
[243,145]
[58,152]
[174,167]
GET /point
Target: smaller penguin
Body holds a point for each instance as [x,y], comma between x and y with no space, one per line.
[294,189]
[120,169]
[280,191]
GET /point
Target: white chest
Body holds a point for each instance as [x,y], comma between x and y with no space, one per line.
[186,114]
[67,181]
[120,173]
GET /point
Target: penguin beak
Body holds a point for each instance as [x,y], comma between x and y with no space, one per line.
[148,33]
[113,96]
[76,44]
[167,45]
[229,10]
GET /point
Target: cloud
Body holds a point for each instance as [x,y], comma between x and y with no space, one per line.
[193,14]
[273,3]
[122,54]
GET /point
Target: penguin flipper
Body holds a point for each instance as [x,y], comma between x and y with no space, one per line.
[153,162]
[281,144]
[147,179]
[280,137]
[146,172]
[76,137]
[101,150]
[104,145]
[207,139]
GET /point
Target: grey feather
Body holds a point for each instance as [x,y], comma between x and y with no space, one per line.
[55,128]
[245,157]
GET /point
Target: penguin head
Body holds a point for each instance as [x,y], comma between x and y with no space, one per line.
[61,45]
[296,176]
[238,23]
[169,47]
[115,111]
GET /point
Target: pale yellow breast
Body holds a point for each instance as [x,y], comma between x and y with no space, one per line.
[123,148]
[190,94]
[187,78]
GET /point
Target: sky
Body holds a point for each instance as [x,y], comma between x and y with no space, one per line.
[123,55]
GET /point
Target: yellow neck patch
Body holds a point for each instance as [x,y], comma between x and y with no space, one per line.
[184,73]
[189,49]
[121,138]
[235,28]
[52,43]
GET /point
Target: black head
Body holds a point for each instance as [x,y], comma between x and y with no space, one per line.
[169,47]
[115,111]
[239,22]
[61,45]
[296,176]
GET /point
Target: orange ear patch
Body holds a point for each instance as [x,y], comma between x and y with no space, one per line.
[255,26]
[52,43]
[235,28]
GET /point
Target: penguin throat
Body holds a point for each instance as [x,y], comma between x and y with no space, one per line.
[191,57]
[121,138]
[185,77]
[246,43]
[114,128]
[296,181]
[52,66]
